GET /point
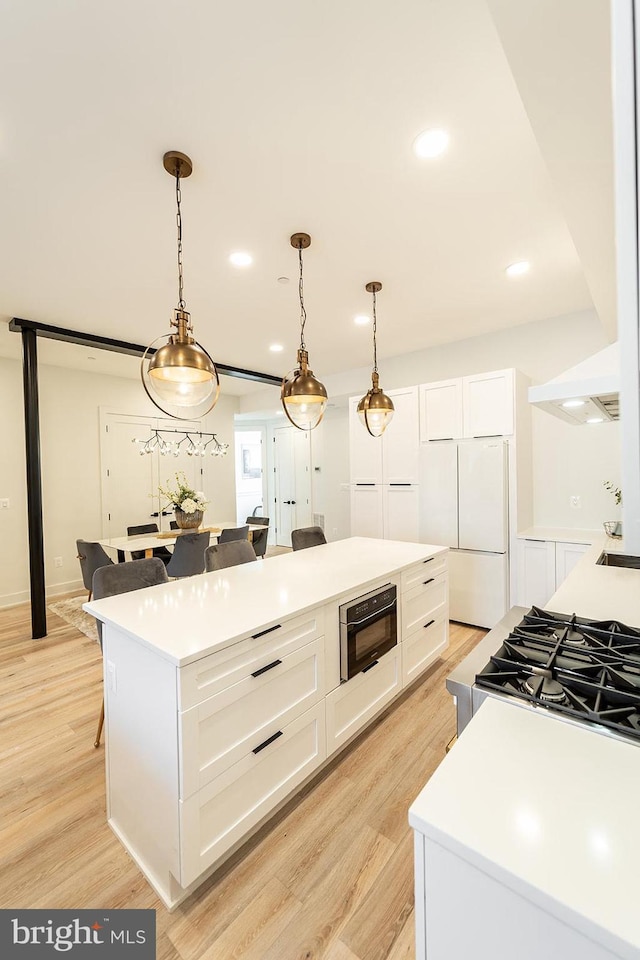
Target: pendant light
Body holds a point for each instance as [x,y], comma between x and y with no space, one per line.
[180,377]
[376,408]
[304,398]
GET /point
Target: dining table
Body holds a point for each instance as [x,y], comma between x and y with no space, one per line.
[123,547]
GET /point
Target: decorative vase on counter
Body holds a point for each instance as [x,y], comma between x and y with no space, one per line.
[188,521]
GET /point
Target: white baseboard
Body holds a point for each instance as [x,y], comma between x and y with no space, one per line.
[54,590]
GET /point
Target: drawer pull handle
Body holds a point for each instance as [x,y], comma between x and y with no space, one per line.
[429,560]
[269,666]
[371,666]
[425,582]
[365,484]
[267,742]
[428,624]
[268,630]
[400,484]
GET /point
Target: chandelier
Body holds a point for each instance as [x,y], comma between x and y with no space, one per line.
[376,408]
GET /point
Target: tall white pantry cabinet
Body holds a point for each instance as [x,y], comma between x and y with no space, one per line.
[408,484]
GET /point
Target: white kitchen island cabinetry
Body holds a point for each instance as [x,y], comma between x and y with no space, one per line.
[537,865]
[223,693]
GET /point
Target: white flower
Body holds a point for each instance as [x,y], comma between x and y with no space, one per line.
[200,496]
[189,505]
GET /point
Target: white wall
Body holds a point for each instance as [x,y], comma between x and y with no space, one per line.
[567,460]
[70,442]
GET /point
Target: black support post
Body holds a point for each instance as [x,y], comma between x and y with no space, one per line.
[34,483]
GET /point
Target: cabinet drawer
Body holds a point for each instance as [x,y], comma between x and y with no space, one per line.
[219,732]
[215,818]
[424,646]
[419,572]
[202,679]
[353,703]
[428,601]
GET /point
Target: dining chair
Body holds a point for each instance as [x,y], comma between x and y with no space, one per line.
[234,533]
[91,555]
[188,554]
[221,555]
[123,578]
[173,525]
[260,537]
[161,552]
[307,537]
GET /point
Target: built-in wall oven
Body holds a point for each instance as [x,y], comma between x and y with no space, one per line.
[368,629]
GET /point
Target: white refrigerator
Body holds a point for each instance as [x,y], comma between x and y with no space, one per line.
[464,504]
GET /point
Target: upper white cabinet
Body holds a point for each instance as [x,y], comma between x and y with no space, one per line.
[487,404]
[468,407]
[441,410]
[401,439]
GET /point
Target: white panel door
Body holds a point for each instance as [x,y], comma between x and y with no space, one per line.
[302,514]
[536,572]
[488,404]
[567,556]
[366,511]
[130,478]
[482,496]
[441,410]
[365,451]
[401,513]
[439,494]
[292,462]
[401,439]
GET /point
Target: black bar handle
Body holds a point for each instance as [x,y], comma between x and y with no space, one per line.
[425,582]
[429,560]
[428,624]
[269,666]
[365,484]
[267,742]
[400,484]
[268,630]
[371,666]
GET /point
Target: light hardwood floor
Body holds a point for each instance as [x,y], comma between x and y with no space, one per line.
[331,879]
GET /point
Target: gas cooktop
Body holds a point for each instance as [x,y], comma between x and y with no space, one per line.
[587,669]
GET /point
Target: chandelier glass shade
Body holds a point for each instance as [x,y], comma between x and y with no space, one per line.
[179,376]
[376,408]
[304,398]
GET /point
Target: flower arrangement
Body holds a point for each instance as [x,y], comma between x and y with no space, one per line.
[184,497]
[616,491]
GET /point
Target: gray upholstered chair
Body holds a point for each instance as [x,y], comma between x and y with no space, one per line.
[221,555]
[260,537]
[173,525]
[234,533]
[307,537]
[123,578]
[91,556]
[188,554]
[161,552]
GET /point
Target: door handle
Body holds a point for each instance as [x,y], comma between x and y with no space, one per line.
[292,502]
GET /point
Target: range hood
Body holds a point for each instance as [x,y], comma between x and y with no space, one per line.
[587,393]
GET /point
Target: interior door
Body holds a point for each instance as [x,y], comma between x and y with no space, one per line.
[482,495]
[130,478]
[292,461]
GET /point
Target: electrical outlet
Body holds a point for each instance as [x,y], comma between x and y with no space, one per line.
[575,502]
[4,504]
[57,561]
[111,676]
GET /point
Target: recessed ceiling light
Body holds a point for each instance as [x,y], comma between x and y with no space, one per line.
[430,143]
[283,279]
[574,403]
[241,259]
[362,319]
[276,348]
[517,269]
[595,420]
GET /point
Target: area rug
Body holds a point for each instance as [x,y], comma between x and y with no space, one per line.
[71,612]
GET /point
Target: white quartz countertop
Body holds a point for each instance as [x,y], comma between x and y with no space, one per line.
[187,619]
[560,534]
[599,592]
[549,808]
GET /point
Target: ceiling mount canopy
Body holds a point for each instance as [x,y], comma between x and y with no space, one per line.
[180,377]
[304,398]
[376,408]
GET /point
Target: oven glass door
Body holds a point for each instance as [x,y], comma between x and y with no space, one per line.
[370,639]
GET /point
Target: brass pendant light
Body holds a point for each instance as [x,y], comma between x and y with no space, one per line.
[304,398]
[376,408]
[180,377]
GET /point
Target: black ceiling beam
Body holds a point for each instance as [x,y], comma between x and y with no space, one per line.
[49,332]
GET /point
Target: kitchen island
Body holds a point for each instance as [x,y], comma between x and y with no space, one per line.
[529,826]
[223,693]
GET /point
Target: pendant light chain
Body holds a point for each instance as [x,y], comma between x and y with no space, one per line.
[375,327]
[181,301]
[303,312]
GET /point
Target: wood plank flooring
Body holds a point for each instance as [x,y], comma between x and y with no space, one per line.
[332,878]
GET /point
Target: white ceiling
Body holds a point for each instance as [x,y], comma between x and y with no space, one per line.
[298,116]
